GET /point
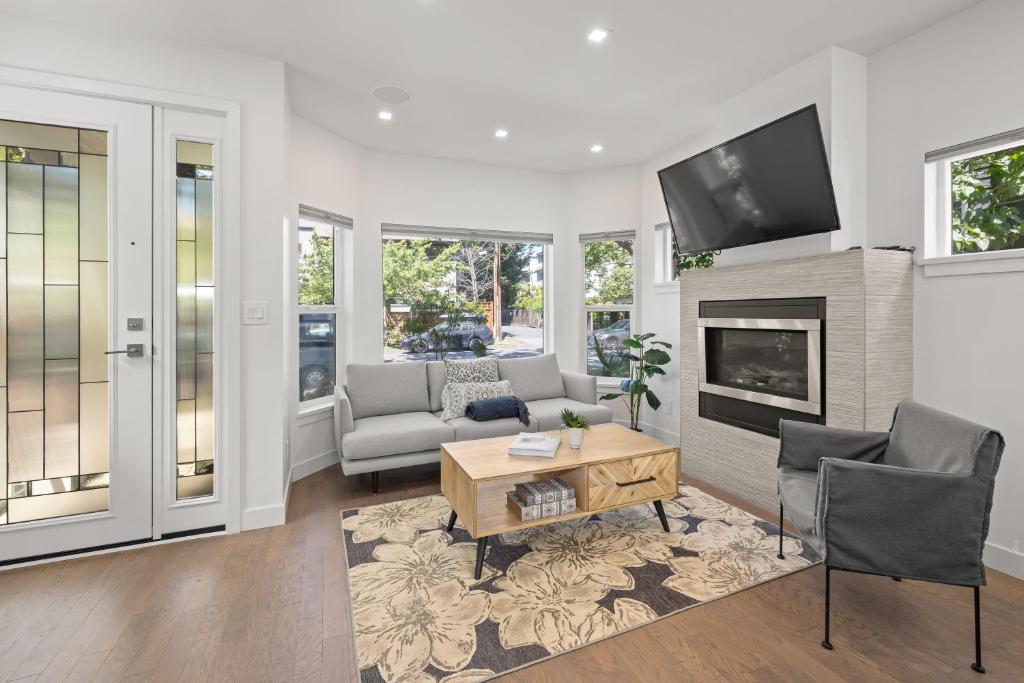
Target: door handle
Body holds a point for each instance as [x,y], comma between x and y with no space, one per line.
[133,351]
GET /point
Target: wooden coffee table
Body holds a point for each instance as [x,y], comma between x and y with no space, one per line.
[615,468]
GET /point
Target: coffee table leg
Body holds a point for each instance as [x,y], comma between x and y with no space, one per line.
[481,547]
[451,521]
[661,514]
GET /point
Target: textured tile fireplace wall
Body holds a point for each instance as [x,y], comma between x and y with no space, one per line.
[867,349]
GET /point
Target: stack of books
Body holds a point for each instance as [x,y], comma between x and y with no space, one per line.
[543,498]
[535,445]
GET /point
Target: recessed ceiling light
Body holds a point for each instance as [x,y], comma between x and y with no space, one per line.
[598,35]
[501,133]
[596,148]
[384,115]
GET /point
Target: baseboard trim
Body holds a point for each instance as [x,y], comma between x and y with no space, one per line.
[669,437]
[1004,560]
[301,470]
[261,517]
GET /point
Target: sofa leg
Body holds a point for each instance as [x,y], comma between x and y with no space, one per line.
[780,555]
[826,643]
[375,479]
[976,666]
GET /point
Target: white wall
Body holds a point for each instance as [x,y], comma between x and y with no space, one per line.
[258,85]
[834,80]
[951,83]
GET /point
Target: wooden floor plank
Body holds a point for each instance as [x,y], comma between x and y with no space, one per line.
[272,605]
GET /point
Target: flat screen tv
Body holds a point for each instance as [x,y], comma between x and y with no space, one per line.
[769,184]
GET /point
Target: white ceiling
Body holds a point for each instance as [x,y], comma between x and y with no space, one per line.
[472,66]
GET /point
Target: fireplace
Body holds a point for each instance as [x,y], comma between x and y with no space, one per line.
[760,361]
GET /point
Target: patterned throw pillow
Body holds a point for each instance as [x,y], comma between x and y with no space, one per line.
[457,395]
[472,370]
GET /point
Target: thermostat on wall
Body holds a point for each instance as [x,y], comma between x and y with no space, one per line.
[254,313]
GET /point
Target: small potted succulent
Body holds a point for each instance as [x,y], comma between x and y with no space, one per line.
[575,425]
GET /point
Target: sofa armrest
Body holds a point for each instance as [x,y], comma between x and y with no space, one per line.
[343,423]
[903,522]
[802,444]
[580,387]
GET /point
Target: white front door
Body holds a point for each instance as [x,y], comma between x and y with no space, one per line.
[75,295]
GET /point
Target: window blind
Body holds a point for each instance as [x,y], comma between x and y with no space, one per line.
[398,231]
[324,216]
[610,235]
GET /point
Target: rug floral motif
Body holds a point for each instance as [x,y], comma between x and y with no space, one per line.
[421,617]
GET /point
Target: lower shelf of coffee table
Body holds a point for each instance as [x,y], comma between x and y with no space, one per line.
[493,516]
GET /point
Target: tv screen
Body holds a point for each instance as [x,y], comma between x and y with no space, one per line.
[769,184]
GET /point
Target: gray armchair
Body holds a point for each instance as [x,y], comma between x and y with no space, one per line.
[911,503]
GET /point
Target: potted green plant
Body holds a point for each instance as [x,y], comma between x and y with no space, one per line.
[575,425]
[645,361]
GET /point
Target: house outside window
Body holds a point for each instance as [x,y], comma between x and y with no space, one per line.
[440,299]
[609,301]
[319,253]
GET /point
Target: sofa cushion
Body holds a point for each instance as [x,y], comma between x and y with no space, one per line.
[472,370]
[533,378]
[436,378]
[387,388]
[393,434]
[548,412]
[467,430]
[457,395]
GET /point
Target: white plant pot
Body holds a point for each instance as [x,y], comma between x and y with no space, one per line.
[575,437]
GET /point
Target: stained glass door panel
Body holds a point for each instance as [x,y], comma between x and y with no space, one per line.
[60,392]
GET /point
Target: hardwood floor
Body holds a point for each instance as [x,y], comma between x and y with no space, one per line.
[272,605]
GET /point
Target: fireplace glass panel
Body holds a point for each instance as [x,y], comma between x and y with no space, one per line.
[765,361]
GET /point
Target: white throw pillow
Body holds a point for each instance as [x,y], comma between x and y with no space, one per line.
[472,370]
[457,395]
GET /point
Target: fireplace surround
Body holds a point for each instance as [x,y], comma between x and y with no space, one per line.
[866,350]
[761,360]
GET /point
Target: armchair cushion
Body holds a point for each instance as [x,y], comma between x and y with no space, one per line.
[894,521]
[802,444]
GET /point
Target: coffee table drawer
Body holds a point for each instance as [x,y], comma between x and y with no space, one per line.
[622,482]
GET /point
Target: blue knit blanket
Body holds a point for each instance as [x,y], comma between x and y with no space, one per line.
[497,408]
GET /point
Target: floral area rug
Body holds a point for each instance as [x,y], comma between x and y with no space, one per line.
[421,617]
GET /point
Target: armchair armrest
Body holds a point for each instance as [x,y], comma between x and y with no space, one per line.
[580,387]
[802,444]
[343,423]
[902,522]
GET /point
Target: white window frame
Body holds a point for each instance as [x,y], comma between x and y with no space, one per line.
[632,309]
[938,258]
[666,276]
[341,225]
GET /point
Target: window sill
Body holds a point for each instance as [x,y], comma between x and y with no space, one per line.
[666,287]
[317,410]
[609,382]
[1008,261]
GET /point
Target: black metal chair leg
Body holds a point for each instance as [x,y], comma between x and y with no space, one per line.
[660,508]
[976,666]
[481,548]
[451,521]
[827,644]
[780,555]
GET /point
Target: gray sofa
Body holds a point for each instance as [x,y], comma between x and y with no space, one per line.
[388,414]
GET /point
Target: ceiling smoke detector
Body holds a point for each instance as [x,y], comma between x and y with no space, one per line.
[389,94]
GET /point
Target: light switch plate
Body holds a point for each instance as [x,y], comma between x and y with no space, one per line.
[254,313]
